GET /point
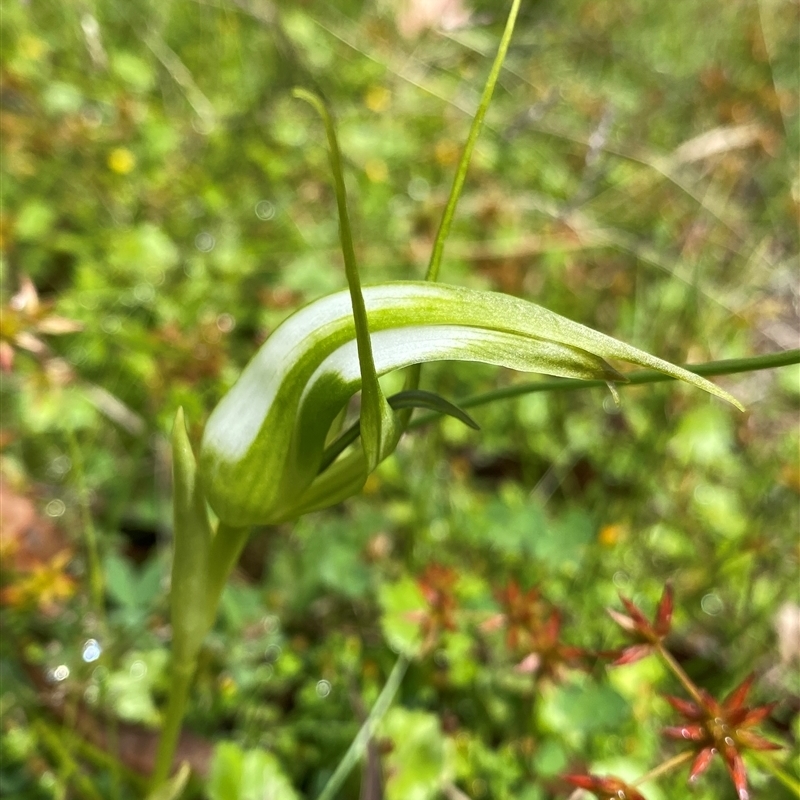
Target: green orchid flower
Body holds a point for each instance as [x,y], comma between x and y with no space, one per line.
[265,442]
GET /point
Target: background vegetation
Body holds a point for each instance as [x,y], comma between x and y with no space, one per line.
[165,204]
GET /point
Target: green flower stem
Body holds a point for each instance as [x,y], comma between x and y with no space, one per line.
[667,766]
[180,683]
[463,165]
[95,569]
[679,673]
[226,547]
[201,564]
[765,761]
[367,731]
[731,366]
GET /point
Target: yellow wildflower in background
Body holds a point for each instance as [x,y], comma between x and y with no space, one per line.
[377,98]
[121,160]
[376,170]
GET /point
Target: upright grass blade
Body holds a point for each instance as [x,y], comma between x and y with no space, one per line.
[434,264]
[367,731]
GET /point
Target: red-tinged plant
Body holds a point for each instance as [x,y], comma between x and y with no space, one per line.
[605,787]
[533,632]
[722,728]
[437,584]
[23,322]
[521,615]
[549,656]
[647,635]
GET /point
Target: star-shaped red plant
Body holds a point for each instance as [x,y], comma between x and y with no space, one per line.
[24,320]
[522,612]
[722,728]
[605,787]
[437,585]
[646,634]
[549,656]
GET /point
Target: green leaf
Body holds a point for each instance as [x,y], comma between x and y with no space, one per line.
[238,774]
[566,541]
[584,707]
[133,70]
[225,776]
[130,688]
[400,603]
[121,582]
[418,763]
[174,787]
[34,220]
[704,437]
[512,531]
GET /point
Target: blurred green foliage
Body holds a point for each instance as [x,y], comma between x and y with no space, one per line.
[161,189]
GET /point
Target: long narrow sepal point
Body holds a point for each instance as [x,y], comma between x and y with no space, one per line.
[377,421]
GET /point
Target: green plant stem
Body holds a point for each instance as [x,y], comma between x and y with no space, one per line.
[96,582]
[87,526]
[463,165]
[731,366]
[667,766]
[180,684]
[226,547]
[779,774]
[104,759]
[678,672]
[359,744]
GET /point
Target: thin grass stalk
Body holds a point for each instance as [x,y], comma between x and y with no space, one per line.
[69,769]
[765,761]
[434,265]
[367,731]
[96,587]
[435,262]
